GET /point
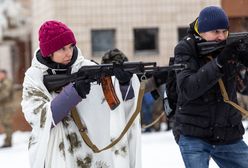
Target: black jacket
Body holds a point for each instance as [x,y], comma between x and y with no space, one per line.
[201,111]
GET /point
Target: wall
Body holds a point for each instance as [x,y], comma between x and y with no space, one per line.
[237,8]
[82,16]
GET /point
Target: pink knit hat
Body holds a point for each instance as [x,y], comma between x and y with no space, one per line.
[54,35]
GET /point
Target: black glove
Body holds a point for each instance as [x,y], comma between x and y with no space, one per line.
[123,76]
[82,87]
[160,77]
[227,53]
[243,57]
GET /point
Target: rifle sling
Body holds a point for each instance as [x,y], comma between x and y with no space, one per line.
[154,121]
[83,130]
[226,98]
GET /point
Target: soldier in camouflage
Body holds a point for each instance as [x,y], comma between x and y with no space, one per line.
[114,56]
[6,110]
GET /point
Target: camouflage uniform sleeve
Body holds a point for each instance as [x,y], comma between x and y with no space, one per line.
[5,89]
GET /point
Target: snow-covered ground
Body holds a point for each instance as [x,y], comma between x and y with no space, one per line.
[159,150]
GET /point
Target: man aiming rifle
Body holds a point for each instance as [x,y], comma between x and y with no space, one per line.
[207,119]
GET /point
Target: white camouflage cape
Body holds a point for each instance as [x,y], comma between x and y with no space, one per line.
[62,146]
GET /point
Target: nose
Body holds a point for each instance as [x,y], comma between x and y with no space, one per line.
[221,36]
[69,52]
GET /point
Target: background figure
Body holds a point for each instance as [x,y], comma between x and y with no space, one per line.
[242,86]
[163,123]
[154,117]
[6,109]
[147,111]
[119,119]
[242,100]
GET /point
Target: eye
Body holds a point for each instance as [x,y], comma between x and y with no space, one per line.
[63,49]
[226,32]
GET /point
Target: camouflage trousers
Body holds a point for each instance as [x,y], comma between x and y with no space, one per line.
[6,114]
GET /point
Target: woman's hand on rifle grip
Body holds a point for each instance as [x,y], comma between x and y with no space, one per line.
[82,87]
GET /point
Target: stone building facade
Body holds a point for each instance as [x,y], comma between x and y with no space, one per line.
[144,30]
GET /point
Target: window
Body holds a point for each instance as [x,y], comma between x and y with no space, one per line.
[146,40]
[182,32]
[102,40]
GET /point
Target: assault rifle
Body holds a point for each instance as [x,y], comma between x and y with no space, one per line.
[102,74]
[205,48]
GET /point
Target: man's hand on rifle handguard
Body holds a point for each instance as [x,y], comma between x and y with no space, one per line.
[122,76]
[160,77]
[228,53]
[117,57]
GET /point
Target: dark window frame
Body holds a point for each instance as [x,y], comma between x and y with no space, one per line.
[97,41]
[146,35]
[181,32]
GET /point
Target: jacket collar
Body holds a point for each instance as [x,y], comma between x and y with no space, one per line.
[53,65]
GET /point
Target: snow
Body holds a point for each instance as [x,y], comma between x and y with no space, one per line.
[16,156]
[159,150]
